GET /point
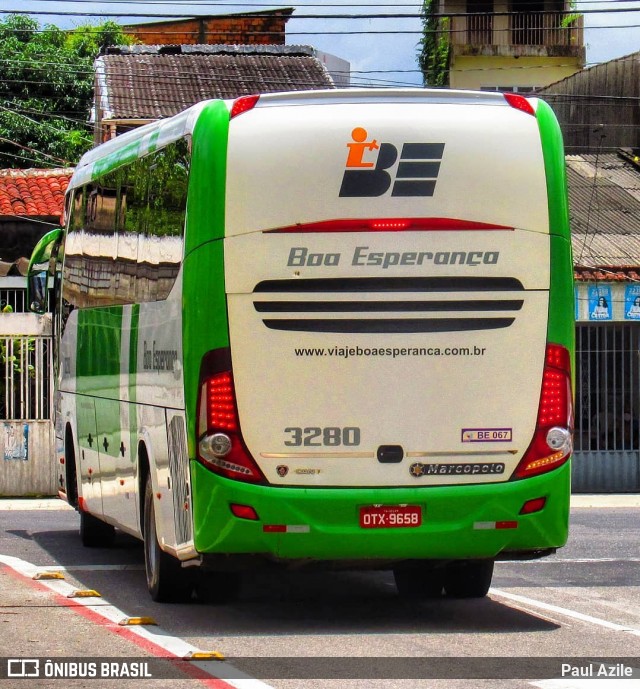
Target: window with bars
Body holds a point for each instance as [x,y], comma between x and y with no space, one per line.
[607,387]
[25,378]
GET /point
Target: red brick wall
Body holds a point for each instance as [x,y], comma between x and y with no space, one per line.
[232,30]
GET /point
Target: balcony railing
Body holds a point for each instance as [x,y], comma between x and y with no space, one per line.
[547,29]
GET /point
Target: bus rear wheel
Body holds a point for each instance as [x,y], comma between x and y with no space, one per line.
[419,580]
[166,580]
[468,579]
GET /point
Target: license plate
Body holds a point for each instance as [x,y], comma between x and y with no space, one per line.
[390,516]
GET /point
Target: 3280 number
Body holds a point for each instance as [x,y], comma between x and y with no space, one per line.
[331,436]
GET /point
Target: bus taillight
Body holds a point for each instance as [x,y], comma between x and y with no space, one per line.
[220,444]
[243,104]
[553,440]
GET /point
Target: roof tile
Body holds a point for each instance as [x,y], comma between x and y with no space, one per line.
[166,84]
[33,193]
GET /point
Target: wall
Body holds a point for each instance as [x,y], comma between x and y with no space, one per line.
[256,28]
[469,72]
[27,460]
[598,107]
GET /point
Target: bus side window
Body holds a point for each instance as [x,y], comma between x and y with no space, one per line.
[160,220]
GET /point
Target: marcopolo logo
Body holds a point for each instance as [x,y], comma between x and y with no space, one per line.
[369,167]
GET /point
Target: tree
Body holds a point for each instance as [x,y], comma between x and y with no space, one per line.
[434,46]
[46,89]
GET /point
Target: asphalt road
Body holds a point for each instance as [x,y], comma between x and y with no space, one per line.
[582,603]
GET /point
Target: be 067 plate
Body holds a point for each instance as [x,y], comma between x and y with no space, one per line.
[390,516]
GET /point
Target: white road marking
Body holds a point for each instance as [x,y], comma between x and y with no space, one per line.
[595,683]
[172,644]
[571,561]
[93,568]
[28,504]
[565,611]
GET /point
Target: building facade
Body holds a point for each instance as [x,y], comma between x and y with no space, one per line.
[604,192]
[511,45]
[266,27]
[31,203]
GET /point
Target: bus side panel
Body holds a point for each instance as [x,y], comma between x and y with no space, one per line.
[205,325]
[561,328]
[78,412]
[156,379]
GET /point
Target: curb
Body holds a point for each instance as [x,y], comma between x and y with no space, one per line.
[606,500]
[33,504]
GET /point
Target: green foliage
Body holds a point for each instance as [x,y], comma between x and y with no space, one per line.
[434,47]
[569,19]
[46,89]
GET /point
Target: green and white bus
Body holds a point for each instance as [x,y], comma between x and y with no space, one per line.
[327,327]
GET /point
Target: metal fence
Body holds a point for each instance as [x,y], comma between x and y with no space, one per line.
[27,459]
[15,299]
[25,378]
[607,439]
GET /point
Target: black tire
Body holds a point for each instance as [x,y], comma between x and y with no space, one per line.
[167,581]
[468,579]
[71,474]
[95,533]
[419,581]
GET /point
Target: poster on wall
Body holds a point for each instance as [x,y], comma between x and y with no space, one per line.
[600,304]
[632,302]
[16,441]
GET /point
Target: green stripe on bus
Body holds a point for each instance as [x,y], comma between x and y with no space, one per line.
[561,326]
[133,372]
[204,307]
[98,375]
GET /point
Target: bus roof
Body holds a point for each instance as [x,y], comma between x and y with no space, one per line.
[142,140]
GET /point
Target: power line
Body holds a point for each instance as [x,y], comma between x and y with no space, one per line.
[33,150]
[274,6]
[393,15]
[390,32]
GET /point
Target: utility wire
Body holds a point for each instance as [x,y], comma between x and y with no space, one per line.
[275,6]
[298,17]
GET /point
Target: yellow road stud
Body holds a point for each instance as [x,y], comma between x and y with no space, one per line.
[132,621]
[204,655]
[84,593]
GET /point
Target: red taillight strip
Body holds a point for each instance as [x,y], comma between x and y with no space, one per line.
[243,104]
[519,102]
[390,225]
[555,409]
[217,412]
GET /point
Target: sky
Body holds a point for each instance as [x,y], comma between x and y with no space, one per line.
[376,58]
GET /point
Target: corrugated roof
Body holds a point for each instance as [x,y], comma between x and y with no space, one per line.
[604,203]
[33,193]
[152,82]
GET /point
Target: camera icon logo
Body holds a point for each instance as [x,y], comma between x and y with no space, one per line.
[23,667]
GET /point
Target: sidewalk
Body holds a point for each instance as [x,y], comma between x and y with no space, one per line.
[40,626]
[606,500]
[598,500]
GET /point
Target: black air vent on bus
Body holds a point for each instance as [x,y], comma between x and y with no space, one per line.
[435,284]
[474,313]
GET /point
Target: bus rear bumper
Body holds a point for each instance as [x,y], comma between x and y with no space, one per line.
[322,524]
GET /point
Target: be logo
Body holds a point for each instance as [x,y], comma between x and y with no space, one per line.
[368,168]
